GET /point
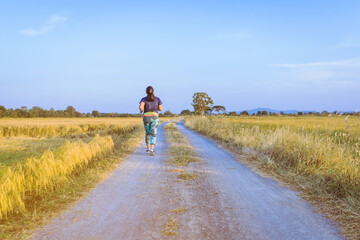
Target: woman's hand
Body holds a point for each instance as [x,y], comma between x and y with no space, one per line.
[141,107]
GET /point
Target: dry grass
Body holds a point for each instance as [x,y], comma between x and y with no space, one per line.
[67,127]
[187,176]
[170,228]
[319,154]
[179,210]
[180,150]
[37,176]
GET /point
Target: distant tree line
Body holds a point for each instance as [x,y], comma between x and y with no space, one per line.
[203,105]
[206,108]
[266,113]
[69,112]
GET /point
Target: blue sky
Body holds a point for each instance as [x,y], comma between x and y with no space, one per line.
[102,55]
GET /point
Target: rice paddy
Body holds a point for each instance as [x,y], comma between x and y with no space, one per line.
[40,156]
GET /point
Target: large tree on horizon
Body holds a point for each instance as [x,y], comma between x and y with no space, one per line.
[201,102]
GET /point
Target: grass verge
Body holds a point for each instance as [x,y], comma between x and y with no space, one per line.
[187,176]
[180,150]
[40,208]
[181,155]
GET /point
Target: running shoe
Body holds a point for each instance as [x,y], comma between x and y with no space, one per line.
[152,153]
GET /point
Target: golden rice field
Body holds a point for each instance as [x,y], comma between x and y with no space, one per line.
[65,127]
[319,154]
[38,156]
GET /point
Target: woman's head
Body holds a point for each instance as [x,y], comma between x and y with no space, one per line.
[150,93]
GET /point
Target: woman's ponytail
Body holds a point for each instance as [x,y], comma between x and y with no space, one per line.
[150,93]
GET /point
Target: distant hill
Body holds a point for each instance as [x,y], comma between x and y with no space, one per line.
[292,111]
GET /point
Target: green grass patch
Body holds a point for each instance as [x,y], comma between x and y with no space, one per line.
[181,153]
[187,176]
[17,149]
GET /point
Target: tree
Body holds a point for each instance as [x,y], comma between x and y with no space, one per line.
[70,110]
[185,112]
[77,114]
[11,113]
[324,113]
[95,113]
[51,113]
[36,112]
[264,113]
[300,113]
[201,102]
[2,111]
[246,113]
[168,113]
[232,114]
[219,108]
[258,113]
[208,111]
[23,112]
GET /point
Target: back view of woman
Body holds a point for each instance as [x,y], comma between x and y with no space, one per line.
[150,106]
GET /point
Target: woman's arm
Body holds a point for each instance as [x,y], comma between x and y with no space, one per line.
[160,107]
[141,107]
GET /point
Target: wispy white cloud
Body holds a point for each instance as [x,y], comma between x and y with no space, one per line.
[50,25]
[57,19]
[37,32]
[332,74]
[350,43]
[231,36]
[354,62]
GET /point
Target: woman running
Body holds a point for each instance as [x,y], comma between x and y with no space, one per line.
[150,105]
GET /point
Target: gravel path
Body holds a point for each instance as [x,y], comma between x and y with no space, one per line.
[145,199]
[263,207]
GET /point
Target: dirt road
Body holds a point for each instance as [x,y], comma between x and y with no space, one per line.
[144,199]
